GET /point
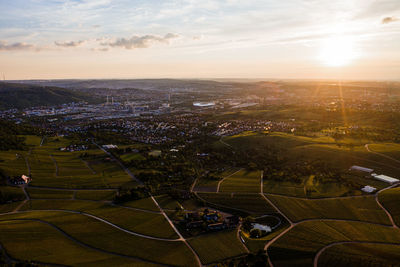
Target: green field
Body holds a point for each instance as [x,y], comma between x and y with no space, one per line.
[95,194]
[299,246]
[137,221]
[35,241]
[51,167]
[217,246]
[49,194]
[166,202]
[253,204]
[358,208]
[242,181]
[13,163]
[100,235]
[390,199]
[361,255]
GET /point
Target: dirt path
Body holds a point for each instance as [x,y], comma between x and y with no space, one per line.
[88,166]
[55,164]
[219,183]
[383,208]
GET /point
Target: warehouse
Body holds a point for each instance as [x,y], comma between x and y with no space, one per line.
[385,178]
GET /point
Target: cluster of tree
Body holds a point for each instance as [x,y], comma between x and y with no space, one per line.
[125,195]
[20,96]
[9,135]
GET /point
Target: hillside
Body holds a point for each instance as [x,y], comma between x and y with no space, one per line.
[23,96]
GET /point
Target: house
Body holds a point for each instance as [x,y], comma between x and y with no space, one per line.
[195,224]
[368,189]
[361,169]
[232,221]
[216,226]
[211,216]
[385,178]
[110,146]
[192,215]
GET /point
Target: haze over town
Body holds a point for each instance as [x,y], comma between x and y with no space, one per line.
[200,39]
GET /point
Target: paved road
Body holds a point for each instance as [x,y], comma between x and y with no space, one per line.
[84,244]
[319,253]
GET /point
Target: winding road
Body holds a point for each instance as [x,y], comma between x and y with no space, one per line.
[181,238]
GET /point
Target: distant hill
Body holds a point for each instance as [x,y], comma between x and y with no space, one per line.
[14,95]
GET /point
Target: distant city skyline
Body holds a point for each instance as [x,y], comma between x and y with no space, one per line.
[294,39]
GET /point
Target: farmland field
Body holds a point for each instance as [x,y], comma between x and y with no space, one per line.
[214,247]
[137,221]
[34,241]
[360,208]
[300,245]
[45,193]
[253,204]
[362,255]
[112,239]
[242,181]
[390,199]
[95,194]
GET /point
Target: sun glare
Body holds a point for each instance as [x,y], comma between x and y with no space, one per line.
[337,51]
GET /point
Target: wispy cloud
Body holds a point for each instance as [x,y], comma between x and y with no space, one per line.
[69,44]
[14,46]
[143,41]
[387,20]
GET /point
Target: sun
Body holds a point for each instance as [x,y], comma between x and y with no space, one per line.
[337,51]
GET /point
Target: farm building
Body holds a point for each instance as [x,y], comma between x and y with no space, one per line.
[385,178]
[368,189]
[361,169]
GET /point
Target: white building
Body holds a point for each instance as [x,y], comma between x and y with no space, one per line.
[385,178]
[362,169]
[368,189]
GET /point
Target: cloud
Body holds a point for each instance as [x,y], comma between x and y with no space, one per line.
[387,20]
[69,44]
[144,41]
[14,46]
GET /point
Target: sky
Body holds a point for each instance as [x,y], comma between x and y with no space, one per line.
[294,39]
